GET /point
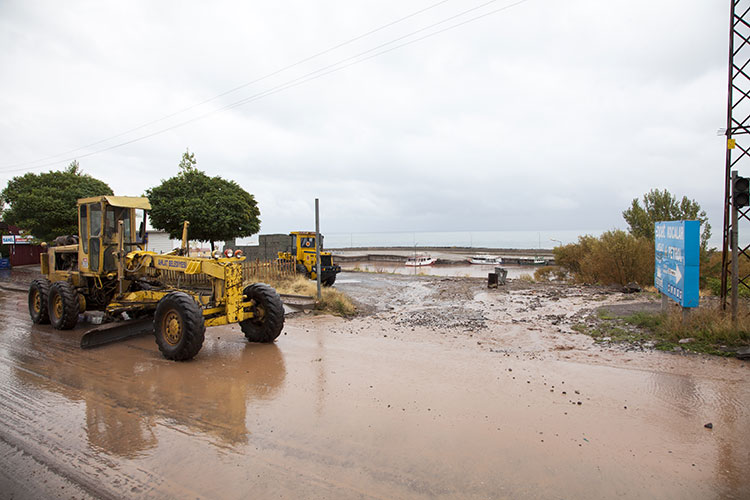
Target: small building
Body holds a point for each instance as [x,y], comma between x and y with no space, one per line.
[160,242]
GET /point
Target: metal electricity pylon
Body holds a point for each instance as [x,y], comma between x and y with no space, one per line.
[738,148]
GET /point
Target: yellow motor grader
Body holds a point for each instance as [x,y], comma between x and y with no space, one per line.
[304,258]
[107,268]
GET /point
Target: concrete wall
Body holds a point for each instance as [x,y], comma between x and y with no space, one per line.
[268,247]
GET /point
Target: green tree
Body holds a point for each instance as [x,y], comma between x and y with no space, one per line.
[218,209]
[45,204]
[663,206]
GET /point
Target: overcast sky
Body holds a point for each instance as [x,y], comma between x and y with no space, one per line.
[545,115]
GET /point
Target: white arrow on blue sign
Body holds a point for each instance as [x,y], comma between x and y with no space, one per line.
[677,260]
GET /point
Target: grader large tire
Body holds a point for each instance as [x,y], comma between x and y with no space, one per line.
[38,308]
[64,305]
[328,280]
[179,326]
[268,321]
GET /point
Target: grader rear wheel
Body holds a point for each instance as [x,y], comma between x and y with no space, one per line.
[268,311]
[38,293]
[63,305]
[179,326]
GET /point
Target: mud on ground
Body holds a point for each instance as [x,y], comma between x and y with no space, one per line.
[441,388]
[524,318]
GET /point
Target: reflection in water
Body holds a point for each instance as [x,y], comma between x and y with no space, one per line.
[118,431]
[126,396]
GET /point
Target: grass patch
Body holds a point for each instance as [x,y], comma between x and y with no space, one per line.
[706,329]
[332,300]
[604,314]
[644,320]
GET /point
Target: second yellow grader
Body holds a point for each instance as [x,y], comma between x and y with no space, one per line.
[304,257]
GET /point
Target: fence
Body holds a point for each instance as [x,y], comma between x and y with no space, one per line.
[256,270]
[252,272]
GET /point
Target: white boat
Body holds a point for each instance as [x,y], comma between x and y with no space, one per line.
[420,260]
[540,261]
[486,260]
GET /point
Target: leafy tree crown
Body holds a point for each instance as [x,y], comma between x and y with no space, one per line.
[45,204]
[218,209]
[663,206]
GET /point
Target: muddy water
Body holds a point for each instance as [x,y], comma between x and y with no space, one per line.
[465,270]
[345,409]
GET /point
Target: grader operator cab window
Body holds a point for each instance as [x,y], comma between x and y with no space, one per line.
[84,229]
[114,215]
[95,214]
[111,226]
[307,242]
[140,223]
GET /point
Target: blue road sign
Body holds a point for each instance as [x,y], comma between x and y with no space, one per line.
[677,257]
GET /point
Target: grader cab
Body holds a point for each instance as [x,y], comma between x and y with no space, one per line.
[108,268]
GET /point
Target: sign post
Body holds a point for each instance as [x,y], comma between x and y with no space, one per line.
[677,260]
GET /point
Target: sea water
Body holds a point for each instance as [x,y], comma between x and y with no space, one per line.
[469,239]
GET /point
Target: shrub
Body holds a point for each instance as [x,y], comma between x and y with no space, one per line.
[616,257]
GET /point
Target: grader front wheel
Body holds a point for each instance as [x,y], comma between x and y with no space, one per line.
[179,326]
[268,314]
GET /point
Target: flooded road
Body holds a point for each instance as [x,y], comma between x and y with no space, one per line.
[386,405]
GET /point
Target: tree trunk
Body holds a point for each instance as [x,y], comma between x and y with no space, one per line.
[212,246]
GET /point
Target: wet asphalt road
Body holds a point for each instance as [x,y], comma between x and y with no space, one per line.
[355,409]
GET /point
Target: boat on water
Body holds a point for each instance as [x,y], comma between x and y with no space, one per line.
[540,261]
[486,260]
[420,260]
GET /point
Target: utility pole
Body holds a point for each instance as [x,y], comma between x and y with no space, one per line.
[735,255]
[317,245]
[737,146]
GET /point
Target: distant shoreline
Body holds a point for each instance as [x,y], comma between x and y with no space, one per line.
[445,255]
[452,250]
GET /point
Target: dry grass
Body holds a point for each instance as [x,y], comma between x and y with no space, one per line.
[706,329]
[708,324]
[332,300]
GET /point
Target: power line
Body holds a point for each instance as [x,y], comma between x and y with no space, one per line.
[313,75]
[235,89]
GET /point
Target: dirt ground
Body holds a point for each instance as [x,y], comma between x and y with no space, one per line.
[441,388]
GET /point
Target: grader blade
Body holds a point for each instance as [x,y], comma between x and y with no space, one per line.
[114,332]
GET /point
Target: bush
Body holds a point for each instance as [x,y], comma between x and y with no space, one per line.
[616,257]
